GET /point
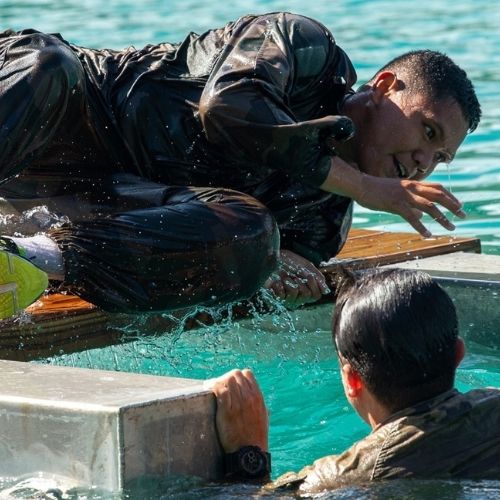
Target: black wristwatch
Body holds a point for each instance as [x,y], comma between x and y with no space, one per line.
[249,462]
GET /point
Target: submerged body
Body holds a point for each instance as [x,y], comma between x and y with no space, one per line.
[452,436]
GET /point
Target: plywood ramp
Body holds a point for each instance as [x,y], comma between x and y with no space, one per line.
[60,323]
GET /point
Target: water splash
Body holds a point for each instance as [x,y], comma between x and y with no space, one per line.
[28,222]
[202,341]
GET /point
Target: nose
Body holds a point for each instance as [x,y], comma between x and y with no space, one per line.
[425,163]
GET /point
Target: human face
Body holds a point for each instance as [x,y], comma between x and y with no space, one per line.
[407,135]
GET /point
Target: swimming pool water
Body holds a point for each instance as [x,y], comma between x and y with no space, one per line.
[291,353]
[293,358]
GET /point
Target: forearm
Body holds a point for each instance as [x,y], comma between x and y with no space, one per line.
[405,197]
[343,179]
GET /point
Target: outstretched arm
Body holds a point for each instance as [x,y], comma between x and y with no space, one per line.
[407,198]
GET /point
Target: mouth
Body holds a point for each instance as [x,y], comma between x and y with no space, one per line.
[400,169]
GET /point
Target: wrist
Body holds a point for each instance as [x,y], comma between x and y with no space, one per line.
[248,463]
[262,444]
[244,436]
[343,179]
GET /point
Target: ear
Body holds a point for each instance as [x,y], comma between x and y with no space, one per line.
[353,385]
[459,351]
[384,82]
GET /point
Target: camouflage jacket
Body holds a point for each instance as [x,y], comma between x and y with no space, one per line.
[246,107]
[454,435]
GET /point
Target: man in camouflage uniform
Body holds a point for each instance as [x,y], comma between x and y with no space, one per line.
[140,149]
[396,336]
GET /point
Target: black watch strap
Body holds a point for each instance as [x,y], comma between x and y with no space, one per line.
[249,462]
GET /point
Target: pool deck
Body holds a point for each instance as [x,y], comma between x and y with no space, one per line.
[458,266]
[60,323]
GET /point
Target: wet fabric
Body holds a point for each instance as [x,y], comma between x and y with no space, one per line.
[452,436]
[182,246]
[246,107]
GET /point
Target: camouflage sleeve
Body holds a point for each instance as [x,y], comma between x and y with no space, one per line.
[353,466]
[272,69]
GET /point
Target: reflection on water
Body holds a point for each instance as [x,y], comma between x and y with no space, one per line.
[185,488]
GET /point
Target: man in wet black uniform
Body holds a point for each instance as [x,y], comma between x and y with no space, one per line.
[141,149]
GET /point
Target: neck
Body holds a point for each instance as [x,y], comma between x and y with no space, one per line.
[372,411]
[373,419]
[352,107]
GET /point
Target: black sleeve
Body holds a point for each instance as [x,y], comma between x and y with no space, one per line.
[269,63]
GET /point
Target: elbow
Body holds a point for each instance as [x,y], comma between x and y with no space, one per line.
[217,116]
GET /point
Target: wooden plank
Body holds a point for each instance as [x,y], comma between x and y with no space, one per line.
[58,324]
[355,234]
[365,248]
[65,323]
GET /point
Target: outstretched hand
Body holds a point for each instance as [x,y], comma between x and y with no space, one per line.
[297,281]
[410,199]
[241,417]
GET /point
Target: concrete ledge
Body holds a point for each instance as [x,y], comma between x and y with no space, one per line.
[458,265]
[472,281]
[104,428]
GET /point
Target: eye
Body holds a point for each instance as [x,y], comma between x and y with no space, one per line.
[429,132]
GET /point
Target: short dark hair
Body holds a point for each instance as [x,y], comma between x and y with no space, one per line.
[398,330]
[435,72]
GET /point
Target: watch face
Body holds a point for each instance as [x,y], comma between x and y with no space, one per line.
[252,461]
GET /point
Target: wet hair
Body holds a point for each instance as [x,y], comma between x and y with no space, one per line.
[435,74]
[398,330]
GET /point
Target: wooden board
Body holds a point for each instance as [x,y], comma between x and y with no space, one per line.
[60,323]
[366,248]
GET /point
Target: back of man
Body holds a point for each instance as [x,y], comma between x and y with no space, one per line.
[455,435]
[452,436]
[396,336]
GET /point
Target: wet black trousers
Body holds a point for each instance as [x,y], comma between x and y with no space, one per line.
[132,245]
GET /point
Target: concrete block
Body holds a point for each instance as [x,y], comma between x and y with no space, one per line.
[104,428]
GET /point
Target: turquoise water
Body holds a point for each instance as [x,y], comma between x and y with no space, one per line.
[291,352]
[292,355]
